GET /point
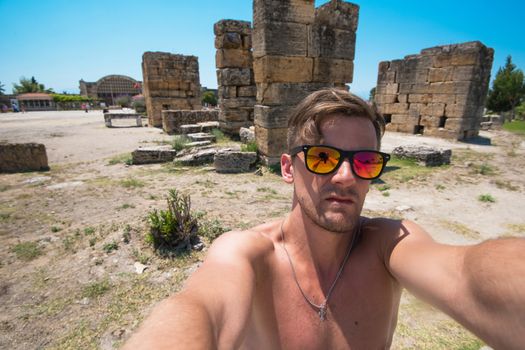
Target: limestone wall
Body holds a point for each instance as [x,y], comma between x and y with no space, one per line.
[440,92]
[170,82]
[234,63]
[18,157]
[297,49]
[173,119]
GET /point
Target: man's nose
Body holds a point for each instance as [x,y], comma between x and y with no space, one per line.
[344,174]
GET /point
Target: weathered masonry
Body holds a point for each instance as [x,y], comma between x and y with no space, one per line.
[297,49]
[170,82]
[237,91]
[440,92]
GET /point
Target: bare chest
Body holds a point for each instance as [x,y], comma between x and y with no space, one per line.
[361,313]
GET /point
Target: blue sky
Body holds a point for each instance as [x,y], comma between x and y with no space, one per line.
[61,41]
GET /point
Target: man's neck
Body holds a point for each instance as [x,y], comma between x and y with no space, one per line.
[320,249]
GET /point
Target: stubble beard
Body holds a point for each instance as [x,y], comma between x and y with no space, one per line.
[334,221]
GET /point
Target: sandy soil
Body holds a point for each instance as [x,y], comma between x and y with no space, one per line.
[79,291]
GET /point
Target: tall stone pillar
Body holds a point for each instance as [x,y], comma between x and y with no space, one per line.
[237,91]
[297,49]
[169,82]
[439,92]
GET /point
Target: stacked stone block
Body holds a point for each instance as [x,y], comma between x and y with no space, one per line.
[170,82]
[297,49]
[440,92]
[237,91]
[172,120]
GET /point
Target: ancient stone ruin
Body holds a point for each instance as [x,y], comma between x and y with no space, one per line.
[297,49]
[237,91]
[19,157]
[170,82]
[440,92]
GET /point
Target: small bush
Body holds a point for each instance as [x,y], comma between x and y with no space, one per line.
[384,187]
[486,198]
[219,136]
[139,106]
[211,229]
[180,142]
[96,289]
[109,247]
[89,230]
[124,158]
[123,101]
[55,229]
[27,251]
[174,229]
[249,147]
[131,183]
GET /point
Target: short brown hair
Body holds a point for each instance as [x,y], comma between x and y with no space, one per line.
[305,121]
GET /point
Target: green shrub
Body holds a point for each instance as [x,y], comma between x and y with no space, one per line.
[96,289]
[27,251]
[486,198]
[219,136]
[109,247]
[123,101]
[249,147]
[139,106]
[174,229]
[179,142]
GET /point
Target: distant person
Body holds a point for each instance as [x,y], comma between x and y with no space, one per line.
[15,108]
[23,108]
[325,277]
[4,108]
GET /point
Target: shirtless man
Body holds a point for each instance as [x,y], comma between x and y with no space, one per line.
[325,277]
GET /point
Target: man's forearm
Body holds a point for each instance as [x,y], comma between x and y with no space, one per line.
[176,323]
[495,280]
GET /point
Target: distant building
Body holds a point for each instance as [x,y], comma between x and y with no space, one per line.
[36,101]
[109,88]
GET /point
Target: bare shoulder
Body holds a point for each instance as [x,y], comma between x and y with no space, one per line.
[253,246]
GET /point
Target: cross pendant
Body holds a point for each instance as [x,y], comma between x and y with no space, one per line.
[322,312]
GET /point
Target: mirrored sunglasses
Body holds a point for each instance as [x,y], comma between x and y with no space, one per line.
[322,160]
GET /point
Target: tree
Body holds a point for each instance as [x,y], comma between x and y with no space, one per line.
[209,98]
[2,90]
[508,88]
[29,85]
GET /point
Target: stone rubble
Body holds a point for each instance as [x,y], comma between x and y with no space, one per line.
[427,156]
[153,154]
[172,120]
[20,157]
[229,161]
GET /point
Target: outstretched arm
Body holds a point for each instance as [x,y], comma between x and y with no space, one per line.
[481,286]
[213,308]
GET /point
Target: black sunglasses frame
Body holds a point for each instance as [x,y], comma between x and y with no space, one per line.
[344,155]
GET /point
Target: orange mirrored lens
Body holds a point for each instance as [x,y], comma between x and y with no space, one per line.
[322,160]
[368,164]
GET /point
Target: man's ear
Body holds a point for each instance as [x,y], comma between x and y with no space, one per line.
[287,168]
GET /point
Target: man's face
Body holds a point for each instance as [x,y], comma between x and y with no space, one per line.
[335,201]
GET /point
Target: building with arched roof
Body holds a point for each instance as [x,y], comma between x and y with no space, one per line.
[110,88]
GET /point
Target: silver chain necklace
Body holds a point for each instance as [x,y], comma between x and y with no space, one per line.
[322,308]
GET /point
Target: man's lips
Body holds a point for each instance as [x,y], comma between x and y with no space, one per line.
[339,199]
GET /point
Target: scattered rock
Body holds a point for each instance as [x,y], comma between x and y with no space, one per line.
[84,301]
[228,161]
[429,156]
[64,185]
[139,268]
[247,135]
[155,154]
[199,246]
[19,157]
[403,208]
[198,157]
[37,179]
[190,129]
[198,144]
[201,136]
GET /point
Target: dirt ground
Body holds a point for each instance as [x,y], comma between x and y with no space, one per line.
[70,237]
